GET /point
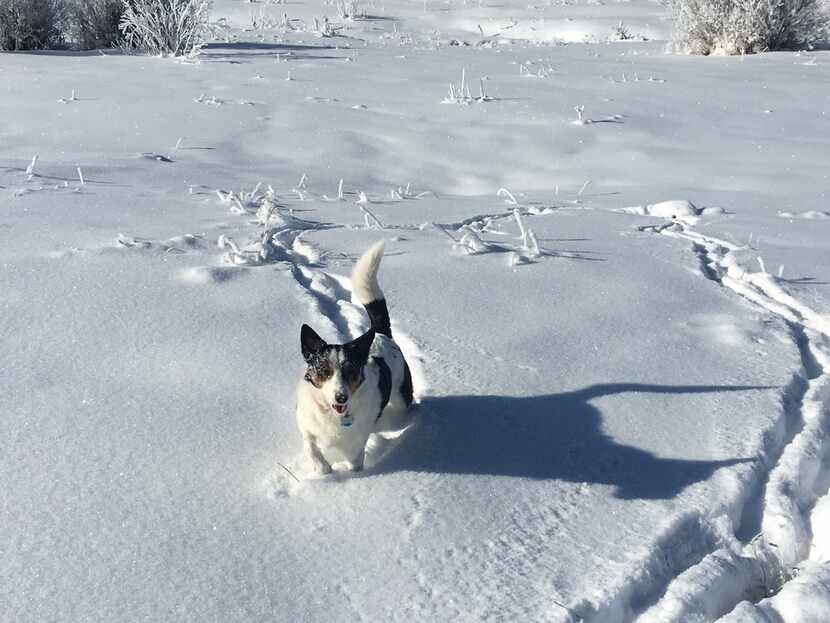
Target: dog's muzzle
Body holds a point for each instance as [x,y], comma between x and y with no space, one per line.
[340,409]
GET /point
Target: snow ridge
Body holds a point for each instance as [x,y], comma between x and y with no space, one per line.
[797,476]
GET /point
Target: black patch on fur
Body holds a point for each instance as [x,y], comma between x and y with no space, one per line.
[311,344]
[384,382]
[315,352]
[357,351]
[379,317]
[406,385]
[352,367]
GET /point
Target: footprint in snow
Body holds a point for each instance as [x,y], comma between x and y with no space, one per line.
[177,244]
[204,275]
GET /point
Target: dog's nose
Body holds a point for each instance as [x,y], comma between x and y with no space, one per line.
[341,397]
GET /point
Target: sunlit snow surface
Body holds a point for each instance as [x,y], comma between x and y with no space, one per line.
[608,418]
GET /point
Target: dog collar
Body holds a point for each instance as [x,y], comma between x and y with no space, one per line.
[346,420]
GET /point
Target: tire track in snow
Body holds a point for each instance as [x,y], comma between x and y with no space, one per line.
[790,483]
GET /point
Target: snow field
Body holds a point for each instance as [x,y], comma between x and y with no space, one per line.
[614,425]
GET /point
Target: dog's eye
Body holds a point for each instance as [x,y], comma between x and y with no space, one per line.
[321,369]
[349,370]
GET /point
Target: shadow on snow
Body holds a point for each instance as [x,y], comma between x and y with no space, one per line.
[264,47]
[557,436]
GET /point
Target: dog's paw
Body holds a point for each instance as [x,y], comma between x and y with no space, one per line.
[318,468]
[348,466]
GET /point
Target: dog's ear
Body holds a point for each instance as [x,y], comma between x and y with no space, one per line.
[310,343]
[358,349]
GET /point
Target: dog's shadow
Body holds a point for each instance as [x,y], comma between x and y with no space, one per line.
[556,436]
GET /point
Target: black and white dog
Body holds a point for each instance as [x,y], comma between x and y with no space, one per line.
[349,390]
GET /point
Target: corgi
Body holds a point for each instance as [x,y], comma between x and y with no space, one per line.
[352,390]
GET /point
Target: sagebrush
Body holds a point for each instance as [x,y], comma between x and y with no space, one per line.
[749,26]
[165,27]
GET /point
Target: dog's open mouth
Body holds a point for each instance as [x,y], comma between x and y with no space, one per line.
[339,409]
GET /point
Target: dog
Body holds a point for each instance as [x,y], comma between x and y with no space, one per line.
[348,390]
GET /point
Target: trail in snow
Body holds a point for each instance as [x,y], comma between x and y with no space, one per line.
[792,482]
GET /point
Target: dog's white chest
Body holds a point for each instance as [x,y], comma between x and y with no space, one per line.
[330,430]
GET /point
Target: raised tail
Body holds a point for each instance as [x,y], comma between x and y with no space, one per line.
[367,290]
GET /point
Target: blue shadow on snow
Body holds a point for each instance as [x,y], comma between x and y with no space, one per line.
[556,436]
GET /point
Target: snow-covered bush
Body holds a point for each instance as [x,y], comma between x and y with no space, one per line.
[748,26]
[31,24]
[95,23]
[166,27]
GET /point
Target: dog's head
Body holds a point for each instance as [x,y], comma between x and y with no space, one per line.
[335,369]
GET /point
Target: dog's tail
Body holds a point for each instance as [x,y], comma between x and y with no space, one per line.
[367,291]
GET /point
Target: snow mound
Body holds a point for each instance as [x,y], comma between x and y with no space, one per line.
[821,538]
[681,209]
[805,599]
[676,208]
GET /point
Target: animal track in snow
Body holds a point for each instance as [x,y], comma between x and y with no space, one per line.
[792,480]
[812,215]
[178,244]
[202,275]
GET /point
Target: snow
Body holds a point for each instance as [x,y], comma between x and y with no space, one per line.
[807,214]
[805,599]
[623,411]
[679,209]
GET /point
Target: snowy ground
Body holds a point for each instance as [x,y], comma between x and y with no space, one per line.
[630,424]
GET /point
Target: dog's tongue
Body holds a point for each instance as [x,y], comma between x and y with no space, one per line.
[340,409]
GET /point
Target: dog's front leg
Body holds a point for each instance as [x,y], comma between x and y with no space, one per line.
[356,464]
[315,456]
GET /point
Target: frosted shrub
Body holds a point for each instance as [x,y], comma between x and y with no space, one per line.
[95,23]
[31,24]
[747,26]
[166,27]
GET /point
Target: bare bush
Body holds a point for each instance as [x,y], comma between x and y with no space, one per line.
[31,24]
[748,26]
[165,27]
[95,23]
